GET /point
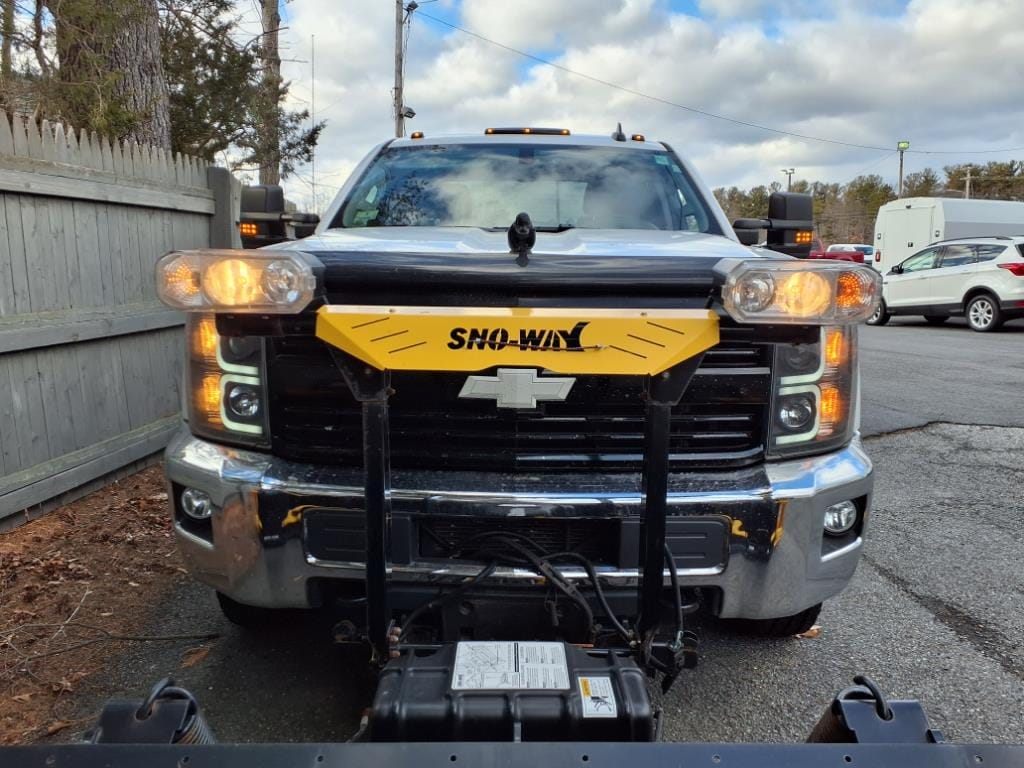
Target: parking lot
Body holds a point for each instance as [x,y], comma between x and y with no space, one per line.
[936,610]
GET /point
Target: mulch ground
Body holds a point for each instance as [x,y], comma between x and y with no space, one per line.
[76,585]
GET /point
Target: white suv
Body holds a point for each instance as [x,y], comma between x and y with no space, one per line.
[981,278]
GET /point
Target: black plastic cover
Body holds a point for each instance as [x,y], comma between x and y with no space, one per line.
[415,701]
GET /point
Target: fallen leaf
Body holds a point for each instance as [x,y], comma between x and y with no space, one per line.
[23,697]
[106,613]
[158,497]
[132,584]
[60,725]
[811,633]
[193,656]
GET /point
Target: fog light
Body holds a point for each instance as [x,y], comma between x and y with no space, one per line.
[243,401]
[796,413]
[840,518]
[196,504]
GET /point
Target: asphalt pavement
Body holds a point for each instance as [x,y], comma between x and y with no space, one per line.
[914,374]
[935,612]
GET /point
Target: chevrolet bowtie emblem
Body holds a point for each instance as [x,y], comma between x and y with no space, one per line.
[516,388]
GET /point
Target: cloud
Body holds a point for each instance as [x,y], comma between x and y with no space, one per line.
[941,73]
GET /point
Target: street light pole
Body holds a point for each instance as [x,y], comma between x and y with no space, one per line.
[901,147]
[789,178]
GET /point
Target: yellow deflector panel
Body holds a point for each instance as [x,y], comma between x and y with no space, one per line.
[597,341]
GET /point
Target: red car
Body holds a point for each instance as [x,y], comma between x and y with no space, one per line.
[844,252]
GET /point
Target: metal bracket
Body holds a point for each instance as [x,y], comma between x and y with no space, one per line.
[664,390]
[862,715]
[372,388]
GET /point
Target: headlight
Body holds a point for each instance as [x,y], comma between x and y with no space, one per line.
[799,292]
[264,282]
[815,389]
[227,399]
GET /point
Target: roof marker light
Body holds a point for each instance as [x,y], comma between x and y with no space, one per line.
[527,132]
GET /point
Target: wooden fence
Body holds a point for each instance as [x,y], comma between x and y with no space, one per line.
[90,362]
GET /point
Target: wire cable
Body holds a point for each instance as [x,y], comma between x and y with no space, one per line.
[598,591]
[446,597]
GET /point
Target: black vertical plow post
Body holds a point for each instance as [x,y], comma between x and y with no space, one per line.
[372,388]
[377,494]
[664,390]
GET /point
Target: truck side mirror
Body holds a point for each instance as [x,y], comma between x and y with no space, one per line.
[790,225]
[791,215]
[301,224]
[301,218]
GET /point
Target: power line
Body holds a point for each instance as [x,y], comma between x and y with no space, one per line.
[642,95]
[874,163]
[695,110]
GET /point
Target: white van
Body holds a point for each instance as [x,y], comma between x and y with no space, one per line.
[904,227]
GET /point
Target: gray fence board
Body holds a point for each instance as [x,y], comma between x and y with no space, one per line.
[36,182]
[16,239]
[28,410]
[75,469]
[89,260]
[9,452]
[90,362]
[60,426]
[6,279]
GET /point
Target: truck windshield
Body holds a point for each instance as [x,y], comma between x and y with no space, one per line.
[476,185]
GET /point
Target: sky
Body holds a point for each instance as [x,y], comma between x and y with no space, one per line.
[947,75]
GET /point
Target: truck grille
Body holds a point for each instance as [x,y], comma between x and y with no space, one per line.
[720,422]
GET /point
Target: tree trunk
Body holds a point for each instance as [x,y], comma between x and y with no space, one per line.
[8,34]
[111,73]
[269,158]
[142,87]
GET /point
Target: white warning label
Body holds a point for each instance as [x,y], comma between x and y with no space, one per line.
[509,666]
[598,697]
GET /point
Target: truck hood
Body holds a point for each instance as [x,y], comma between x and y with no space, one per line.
[578,242]
[455,265]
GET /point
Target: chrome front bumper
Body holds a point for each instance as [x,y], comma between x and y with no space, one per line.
[779,563]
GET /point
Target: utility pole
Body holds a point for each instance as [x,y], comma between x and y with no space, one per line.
[901,147]
[312,116]
[399,68]
[270,59]
[967,184]
[789,178]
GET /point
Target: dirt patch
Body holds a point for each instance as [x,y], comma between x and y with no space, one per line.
[69,582]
